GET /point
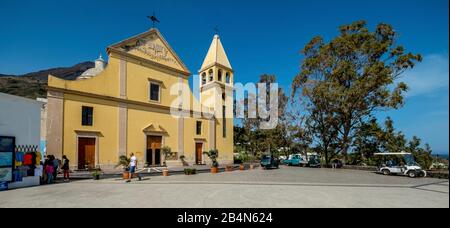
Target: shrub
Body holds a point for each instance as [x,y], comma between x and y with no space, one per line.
[96,173]
[213,155]
[124,161]
[190,171]
[167,152]
[182,157]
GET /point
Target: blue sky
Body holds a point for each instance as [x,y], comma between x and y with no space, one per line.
[260,36]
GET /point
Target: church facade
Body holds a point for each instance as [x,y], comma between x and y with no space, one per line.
[126,106]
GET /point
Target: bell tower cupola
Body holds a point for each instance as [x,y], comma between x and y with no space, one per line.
[216,67]
[216,79]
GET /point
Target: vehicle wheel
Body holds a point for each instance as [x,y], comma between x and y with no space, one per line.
[423,173]
[412,174]
[386,172]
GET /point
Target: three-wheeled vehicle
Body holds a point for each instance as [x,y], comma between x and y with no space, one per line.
[295,159]
[400,164]
[269,162]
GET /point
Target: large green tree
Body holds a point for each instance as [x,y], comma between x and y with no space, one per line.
[347,79]
[367,140]
[372,138]
[264,140]
[320,124]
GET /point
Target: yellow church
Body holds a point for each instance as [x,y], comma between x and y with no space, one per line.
[125,106]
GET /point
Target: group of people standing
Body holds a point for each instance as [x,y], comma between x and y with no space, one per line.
[52,166]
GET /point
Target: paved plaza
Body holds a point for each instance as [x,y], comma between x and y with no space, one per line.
[285,187]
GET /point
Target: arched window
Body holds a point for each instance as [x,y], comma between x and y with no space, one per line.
[211,76]
[228,78]
[203,78]
[219,76]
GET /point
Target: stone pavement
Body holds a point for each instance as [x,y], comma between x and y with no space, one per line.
[286,187]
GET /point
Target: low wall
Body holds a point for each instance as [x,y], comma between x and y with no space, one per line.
[441,174]
[26,182]
[357,167]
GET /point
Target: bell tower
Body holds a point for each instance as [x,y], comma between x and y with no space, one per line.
[216,93]
[216,79]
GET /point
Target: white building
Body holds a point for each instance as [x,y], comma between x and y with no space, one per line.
[20,117]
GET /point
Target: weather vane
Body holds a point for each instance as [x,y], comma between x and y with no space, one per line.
[153,19]
[216,30]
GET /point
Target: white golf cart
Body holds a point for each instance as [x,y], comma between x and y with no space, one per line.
[400,164]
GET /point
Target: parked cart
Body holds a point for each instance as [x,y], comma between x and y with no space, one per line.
[400,164]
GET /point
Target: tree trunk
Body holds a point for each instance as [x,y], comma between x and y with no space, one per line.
[325,147]
[345,145]
[326,158]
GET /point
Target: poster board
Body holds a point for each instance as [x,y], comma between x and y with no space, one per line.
[7,156]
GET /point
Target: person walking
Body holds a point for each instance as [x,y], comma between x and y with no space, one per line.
[49,170]
[133,165]
[55,167]
[66,168]
[335,163]
[44,173]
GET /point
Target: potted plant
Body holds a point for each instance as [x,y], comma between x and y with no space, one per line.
[124,162]
[182,157]
[96,174]
[229,168]
[213,155]
[244,158]
[167,152]
[251,159]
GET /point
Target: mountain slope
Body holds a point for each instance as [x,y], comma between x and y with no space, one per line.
[33,85]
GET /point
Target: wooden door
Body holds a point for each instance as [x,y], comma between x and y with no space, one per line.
[154,150]
[90,156]
[157,155]
[198,153]
[86,153]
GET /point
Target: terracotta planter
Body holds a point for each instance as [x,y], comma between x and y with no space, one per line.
[252,166]
[214,170]
[166,173]
[126,175]
[229,168]
[241,167]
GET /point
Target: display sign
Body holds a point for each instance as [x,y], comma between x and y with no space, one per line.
[3,186]
[7,154]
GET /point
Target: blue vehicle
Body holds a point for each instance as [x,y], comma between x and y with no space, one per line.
[269,162]
[314,161]
[296,160]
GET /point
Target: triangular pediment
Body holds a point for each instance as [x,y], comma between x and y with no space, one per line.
[152,46]
[154,128]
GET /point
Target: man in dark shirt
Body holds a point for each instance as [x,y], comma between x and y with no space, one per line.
[66,168]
